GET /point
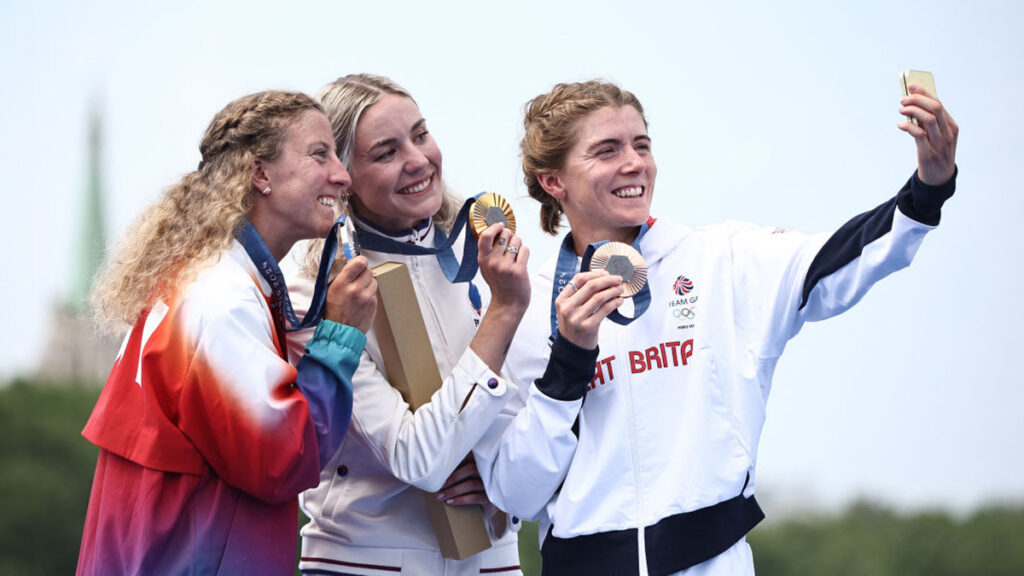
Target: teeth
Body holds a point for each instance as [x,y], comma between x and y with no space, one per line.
[417,188]
[630,192]
[327,201]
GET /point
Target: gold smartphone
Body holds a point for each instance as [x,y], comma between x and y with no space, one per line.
[919,77]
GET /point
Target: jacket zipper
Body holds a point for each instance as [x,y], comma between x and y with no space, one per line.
[635,454]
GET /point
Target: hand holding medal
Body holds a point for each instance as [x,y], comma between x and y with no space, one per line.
[622,260]
[502,256]
[625,261]
[350,280]
[579,305]
[348,246]
[491,208]
[583,304]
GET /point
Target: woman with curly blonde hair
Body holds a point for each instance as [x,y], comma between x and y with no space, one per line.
[207,434]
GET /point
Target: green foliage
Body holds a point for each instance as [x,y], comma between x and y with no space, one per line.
[47,474]
[868,540]
[529,554]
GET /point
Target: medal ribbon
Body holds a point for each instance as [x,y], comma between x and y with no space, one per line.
[265,262]
[442,250]
[565,269]
[453,270]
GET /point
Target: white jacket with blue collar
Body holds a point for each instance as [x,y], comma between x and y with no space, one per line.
[368,516]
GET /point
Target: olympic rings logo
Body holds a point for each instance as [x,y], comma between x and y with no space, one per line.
[688,313]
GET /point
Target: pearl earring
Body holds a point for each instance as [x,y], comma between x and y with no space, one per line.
[266,191]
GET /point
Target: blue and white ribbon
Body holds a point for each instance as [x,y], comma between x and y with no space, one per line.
[453,270]
[265,262]
[565,269]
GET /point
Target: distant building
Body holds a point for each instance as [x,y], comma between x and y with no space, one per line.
[76,351]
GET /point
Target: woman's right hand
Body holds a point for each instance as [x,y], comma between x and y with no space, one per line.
[584,303]
[352,296]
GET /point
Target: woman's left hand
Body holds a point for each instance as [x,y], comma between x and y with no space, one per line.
[503,257]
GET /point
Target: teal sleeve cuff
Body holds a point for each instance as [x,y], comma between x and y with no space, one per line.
[337,346]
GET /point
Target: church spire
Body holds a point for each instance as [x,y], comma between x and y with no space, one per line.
[92,240]
[77,353]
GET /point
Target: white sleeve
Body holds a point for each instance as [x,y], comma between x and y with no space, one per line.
[526,454]
[524,457]
[424,447]
[800,278]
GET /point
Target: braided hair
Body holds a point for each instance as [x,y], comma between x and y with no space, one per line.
[196,218]
[550,121]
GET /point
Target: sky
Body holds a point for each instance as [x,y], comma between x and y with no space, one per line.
[780,113]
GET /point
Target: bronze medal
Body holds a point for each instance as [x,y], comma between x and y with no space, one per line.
[623,260]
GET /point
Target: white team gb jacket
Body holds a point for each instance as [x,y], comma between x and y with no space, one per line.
[661,473]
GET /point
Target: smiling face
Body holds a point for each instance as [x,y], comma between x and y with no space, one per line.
[396,166]
[306,180]
[606,183]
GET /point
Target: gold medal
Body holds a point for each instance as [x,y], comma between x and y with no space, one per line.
[622,260]
[491,208]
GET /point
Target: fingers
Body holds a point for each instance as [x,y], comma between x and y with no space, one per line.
[503,260]
[469,491]
[928,111]
[464,486]
[513,248]
[916,88]
[499,242]
[354,268]
[477,497]
[586,285]
[356,280]
[352,296]
[919,104]
[465,470]
[493,240]
[935,134]
[584,303]
[594,295]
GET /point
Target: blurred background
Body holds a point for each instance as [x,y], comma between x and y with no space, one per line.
[893,443]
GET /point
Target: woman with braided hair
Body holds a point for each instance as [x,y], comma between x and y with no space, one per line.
[637,448]
[207,433]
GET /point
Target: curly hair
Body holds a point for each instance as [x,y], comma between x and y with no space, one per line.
[195,219]
[344,102]
[550,121]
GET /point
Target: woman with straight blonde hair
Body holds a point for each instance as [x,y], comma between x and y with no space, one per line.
[367,516]
[207,433]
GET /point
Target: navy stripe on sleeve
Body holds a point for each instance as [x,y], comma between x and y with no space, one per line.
[570,369]
[916,199]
